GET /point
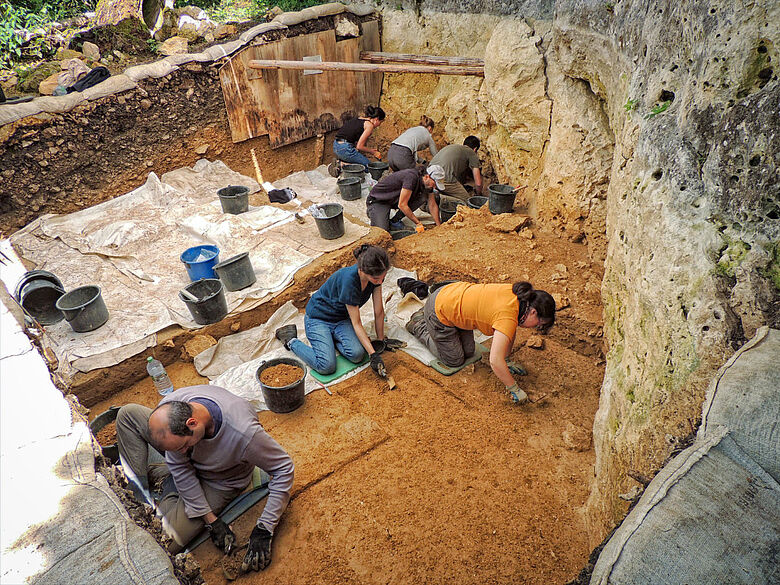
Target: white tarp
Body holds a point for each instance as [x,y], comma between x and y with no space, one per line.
[712,515]
[130,247]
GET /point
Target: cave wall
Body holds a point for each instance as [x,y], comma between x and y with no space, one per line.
[648,130]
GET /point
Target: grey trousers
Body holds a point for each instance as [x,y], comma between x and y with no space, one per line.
[451,345]
[148,464]
[378,212]
[401,158]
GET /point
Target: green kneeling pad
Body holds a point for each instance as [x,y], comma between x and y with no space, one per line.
[437,365]
[343,366]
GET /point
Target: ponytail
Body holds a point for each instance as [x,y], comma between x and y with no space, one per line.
[427,122]
[375,112]
[530,298]
[372,260]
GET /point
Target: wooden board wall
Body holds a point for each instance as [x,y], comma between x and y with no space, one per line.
[290,106]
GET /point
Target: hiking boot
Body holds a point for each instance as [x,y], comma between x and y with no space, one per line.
[334,168]
[286,334]
[416,317]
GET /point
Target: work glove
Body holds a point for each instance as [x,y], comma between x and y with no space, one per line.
[378,365]
[393,344]
[419,228]
[516,368]
[516,394]
[221,535]
[258,554]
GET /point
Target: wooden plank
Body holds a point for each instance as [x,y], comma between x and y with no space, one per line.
[379,57]
[371,41]
[365,67]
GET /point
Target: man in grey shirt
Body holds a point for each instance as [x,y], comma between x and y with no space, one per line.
[456,159]
[402,153]
[212,442]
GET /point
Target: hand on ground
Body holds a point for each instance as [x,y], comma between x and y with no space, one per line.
[221,535]
[258,554]
[419,228]
[516,394]
[516,368]
[378,365]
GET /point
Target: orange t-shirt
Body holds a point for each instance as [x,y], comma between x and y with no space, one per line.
[486,307]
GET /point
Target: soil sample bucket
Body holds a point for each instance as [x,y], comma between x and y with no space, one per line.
[400,234]
[377,169]
[236,272]
[211,305]
[349,188]
[286,394]
[103,422]
[331,224]
[502,198]
[83,308]
[37,292]
[234,199]
[353,170]
[447,208]
[476,202]
[200,261]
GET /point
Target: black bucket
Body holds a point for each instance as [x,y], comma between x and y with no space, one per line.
[377,169]
[236,272]
[83,308]
[332,225]
[287,398]
[110,452]
[476,202]
[234,199]
[447,208]
[211,305]
[38,292]
[502,198]
[353,170]
[349,188]
[400,234]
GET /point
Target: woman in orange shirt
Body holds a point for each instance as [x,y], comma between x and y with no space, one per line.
[446,324]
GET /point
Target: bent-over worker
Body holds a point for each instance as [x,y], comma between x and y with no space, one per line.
[350,142]
[446,323]
[332,318]
[402,153]
[405,190]
[212,443]
[456,159]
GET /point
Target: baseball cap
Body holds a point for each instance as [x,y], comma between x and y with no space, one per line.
[436,173]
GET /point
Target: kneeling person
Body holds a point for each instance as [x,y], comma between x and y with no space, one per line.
[212,441]
[405,190]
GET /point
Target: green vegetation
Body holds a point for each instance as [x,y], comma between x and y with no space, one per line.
[153,45]
[630,105]
[731,256]
[657,109]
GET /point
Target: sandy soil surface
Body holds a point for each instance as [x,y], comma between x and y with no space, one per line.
[443,480]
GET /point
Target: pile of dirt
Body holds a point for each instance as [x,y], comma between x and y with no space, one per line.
[107,435]
[281,375]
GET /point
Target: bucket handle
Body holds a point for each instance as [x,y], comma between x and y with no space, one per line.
[69,319]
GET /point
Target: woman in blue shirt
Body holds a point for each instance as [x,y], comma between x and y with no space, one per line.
[332,317]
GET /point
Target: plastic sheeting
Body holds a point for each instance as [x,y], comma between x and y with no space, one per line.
[712,515]
[130,247]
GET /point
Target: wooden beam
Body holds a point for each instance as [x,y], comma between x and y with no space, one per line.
[366,67]
[379,57]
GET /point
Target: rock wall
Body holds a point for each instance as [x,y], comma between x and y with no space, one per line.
[649,131]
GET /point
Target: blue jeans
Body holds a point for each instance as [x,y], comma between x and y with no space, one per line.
[325,338]
[346,151]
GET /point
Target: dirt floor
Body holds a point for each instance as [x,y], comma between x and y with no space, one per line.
[443,480]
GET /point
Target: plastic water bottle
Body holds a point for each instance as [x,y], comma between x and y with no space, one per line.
[161,380]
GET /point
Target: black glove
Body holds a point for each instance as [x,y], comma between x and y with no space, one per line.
[221,535]
[393,344]
[258,555]
[378,365]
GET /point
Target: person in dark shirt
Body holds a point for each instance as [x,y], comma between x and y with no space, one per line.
[332,317]
[350,142]
[405,190]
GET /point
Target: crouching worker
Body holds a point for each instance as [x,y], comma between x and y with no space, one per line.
[446,323]
[332,317]
[406,191]
[212,441]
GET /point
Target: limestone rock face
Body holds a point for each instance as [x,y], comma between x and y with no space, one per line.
[173,46]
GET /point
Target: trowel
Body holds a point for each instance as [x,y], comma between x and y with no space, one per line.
[387,377]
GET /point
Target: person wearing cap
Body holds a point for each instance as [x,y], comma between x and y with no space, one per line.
[456,159]
[406,191]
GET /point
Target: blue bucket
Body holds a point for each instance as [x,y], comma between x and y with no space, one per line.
[203,268]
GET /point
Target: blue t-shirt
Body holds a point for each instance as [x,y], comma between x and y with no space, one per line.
[330,302]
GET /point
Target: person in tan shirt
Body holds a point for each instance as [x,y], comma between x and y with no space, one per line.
[447,321]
